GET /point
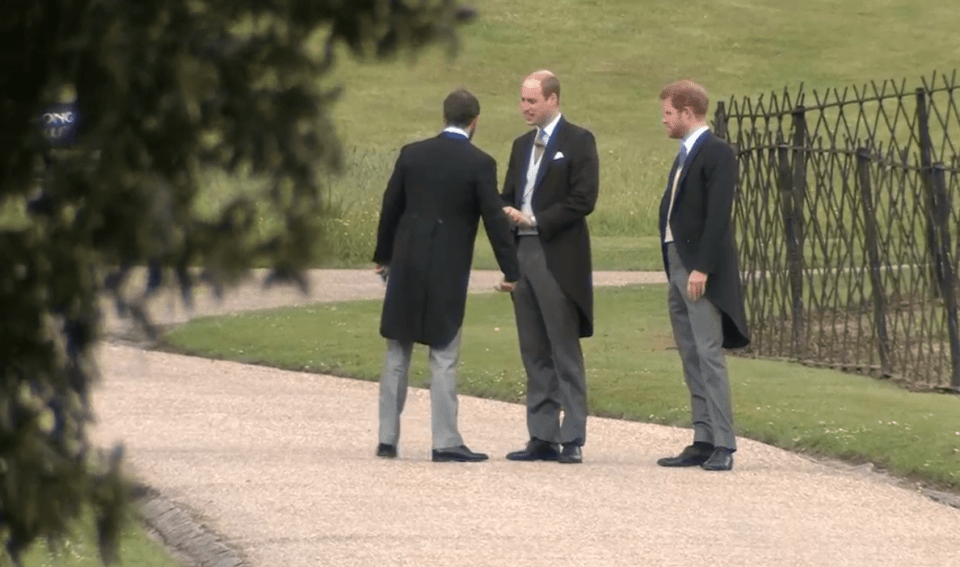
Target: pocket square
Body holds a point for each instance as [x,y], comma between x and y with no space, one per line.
[559,155]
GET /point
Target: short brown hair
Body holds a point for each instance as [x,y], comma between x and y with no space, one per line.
[550,85]
[686,94]
[460,108]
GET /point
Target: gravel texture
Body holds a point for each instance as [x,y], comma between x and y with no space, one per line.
[280,465]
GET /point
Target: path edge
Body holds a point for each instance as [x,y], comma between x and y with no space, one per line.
[185,536]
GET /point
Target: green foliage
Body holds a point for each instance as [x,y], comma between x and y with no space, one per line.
[167,94]
[633,372]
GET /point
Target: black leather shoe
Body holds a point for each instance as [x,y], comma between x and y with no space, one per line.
[720,460]
[536,450]
[387,451]
[691,456]
[571,454]
[457,454]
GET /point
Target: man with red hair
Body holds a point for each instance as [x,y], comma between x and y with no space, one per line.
[700,258]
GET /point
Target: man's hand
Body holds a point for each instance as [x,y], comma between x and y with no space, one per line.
[518,218]
[696,285]
[515,216]
[504,286]
[382,270]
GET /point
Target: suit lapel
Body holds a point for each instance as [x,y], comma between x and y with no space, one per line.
[549,152]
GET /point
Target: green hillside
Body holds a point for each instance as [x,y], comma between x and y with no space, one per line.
[612,57]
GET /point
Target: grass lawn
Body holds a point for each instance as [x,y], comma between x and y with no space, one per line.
[136,550]
[612,57]
[609,253]
[633,372]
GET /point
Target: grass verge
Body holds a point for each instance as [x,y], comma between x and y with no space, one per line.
[633,372]
[136,550]
[609,253]
[628,253]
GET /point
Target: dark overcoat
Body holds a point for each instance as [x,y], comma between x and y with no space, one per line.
[703,231]
[439,190]
[565,192]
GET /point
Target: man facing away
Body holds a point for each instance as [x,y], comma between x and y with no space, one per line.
[550,187]
[700,257]
[438,191]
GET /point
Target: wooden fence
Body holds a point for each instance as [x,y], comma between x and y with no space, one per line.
[847,219]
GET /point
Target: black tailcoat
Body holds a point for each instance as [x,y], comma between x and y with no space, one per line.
[564,194]
[703,231]
[439,190]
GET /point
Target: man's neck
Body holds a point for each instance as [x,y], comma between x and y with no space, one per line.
[694,128]
[550,120]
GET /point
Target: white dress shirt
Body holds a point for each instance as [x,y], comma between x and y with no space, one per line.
[457,130]
[533,168]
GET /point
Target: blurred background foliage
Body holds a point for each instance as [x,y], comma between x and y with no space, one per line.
[114,117]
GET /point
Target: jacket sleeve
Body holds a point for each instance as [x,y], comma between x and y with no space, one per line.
[509,194]
[720,179]
[394,203]
[584,187]
[495,222]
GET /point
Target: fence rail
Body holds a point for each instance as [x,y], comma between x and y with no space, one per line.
[847,217]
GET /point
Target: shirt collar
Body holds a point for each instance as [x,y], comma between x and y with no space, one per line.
[690,140]
[457,130]
[549,128]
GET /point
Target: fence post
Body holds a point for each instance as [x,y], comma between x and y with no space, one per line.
[945,268]
[720,120]
[800,143]
[926,177]
[873,252]
[791,209]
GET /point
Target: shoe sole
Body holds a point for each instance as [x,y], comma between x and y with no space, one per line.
[457,460]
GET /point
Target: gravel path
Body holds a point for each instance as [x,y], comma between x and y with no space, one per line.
[325,285]
[281,465]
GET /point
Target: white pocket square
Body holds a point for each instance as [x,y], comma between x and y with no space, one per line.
[559,155]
